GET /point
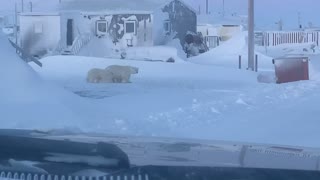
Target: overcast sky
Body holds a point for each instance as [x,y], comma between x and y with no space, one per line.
[267,11]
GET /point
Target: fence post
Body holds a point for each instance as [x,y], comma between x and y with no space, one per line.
[317,164]
[242,155]
[256,63]
[240,64]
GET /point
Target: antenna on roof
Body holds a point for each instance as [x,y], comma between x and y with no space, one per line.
[299,20]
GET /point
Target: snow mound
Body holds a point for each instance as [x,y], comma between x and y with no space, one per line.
[25,100]
[227,54]
[157,53]
[103,47]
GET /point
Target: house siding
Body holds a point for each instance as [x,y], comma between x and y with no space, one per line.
[42,39]
[182,18]
[143,36]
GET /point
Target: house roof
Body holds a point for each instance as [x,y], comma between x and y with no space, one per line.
[112,5]
[219,20]
[40,14]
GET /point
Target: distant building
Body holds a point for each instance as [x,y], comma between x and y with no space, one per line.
[210,34]
[216,28]
[112,23]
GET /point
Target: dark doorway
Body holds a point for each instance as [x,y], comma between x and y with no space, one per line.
[70,32]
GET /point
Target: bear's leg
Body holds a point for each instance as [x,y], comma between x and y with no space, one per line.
[126,78]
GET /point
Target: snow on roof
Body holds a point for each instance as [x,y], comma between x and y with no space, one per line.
[112,5]
[125,6]
[40,14]
[44,5]
[115,12]
[220,20]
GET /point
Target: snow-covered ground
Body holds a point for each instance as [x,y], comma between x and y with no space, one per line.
[227,55]
[206,97]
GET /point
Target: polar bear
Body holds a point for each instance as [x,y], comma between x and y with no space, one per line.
[99,76]
[122,74]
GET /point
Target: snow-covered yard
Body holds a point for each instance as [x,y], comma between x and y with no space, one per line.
[205,98]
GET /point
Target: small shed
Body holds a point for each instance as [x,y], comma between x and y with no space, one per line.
[39,32]
[210,34]
[225,26]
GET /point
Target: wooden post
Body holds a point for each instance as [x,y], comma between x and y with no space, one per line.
[31,6]
[240,63]
[242,156]
[256,63]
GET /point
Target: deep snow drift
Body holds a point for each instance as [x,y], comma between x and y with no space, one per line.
[227,54]
[26,101]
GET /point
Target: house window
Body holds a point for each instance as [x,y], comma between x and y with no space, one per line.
[101,27]
[167,26]
[130,27]
[38,28]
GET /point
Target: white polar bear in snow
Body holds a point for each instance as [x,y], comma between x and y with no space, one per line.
[122,74]
[112,74]
[99,76]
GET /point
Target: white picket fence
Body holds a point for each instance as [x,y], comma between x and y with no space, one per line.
[275,38]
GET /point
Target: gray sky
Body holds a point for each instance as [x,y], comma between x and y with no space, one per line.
[267,11]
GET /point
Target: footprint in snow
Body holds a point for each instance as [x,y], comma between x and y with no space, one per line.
[241,102]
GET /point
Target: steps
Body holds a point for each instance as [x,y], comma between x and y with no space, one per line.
[79,42]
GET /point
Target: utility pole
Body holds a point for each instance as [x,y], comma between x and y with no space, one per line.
[223,8]
[251,35]
[22,5]
[207,7]
[16,24]
[31,6]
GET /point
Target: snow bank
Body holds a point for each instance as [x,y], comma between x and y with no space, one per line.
[289,49]
[227,54]
[73,69]
[103,47]
[100,47]
[25,100]
[157,53]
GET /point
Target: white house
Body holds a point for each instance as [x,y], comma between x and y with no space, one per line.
[105,25]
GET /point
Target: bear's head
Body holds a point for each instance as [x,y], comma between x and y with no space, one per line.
[134,70]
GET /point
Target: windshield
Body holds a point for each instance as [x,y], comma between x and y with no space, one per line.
[195,83]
